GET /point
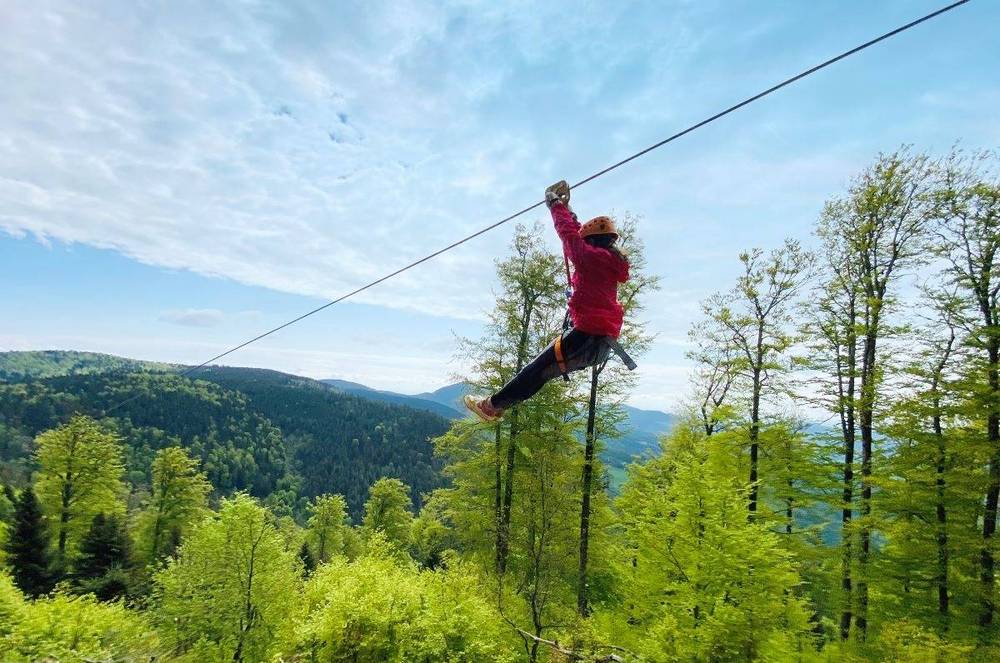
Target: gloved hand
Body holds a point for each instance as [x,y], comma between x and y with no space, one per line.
[558,192]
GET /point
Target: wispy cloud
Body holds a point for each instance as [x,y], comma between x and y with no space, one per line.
[193,317]
[296,146]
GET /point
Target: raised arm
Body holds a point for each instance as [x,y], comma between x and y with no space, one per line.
[568,229]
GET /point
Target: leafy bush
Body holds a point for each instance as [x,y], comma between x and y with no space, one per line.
[71,629]
[379,608]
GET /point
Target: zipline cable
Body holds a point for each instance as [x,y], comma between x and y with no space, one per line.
[619,164]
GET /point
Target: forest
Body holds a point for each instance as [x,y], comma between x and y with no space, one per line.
[829,493]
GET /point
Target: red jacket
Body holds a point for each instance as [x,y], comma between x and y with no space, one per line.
[594,306]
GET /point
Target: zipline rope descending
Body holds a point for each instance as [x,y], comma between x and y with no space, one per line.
[679,134]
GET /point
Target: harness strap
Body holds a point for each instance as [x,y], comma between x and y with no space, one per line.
[617,348]
[560,358]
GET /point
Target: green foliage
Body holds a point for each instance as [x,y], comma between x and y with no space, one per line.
[177,499]
[379,608]
[79,476]
[328,524]
[388,511]
[16,366]
[232,592]
[73,629]
[27,547]
[430,535]
[701,582]
[12,606]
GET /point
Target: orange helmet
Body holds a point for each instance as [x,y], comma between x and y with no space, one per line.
[599,225]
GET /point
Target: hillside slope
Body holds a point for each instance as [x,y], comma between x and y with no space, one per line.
[275,435]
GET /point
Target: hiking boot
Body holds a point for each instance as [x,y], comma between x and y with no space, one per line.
[483,409]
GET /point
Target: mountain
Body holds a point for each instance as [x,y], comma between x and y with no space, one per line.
[417,402]
[15,366]
[281,437]
[639,439]
[451,396]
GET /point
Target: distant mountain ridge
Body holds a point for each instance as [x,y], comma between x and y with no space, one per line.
[640,439]
[418,402]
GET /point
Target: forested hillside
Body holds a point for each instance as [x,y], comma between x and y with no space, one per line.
[277,436]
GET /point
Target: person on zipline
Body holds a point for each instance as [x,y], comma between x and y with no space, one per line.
[599,266]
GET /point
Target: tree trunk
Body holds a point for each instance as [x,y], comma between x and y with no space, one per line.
[582,605]
[942,520]
[498,494]
[755,434]
[867,438]
[993,490]
[508,493]
[66,499]
[847,511]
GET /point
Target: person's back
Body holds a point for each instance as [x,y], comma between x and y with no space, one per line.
[594,306]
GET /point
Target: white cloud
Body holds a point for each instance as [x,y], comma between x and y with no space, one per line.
[303,147]
[193,317]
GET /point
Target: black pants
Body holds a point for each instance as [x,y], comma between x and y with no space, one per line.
[579,350]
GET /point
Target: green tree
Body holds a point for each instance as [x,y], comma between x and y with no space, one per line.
[885,231]
[387,510]
[430,535]
[79,475]
[328,521]
[231,594]
[177,500]
[967,206]
[832,323]
[103,565]
[28,547]
[701,581]
[753,323]
[879,229]
[382,608]
[531,283]
[77,629]
[7,500]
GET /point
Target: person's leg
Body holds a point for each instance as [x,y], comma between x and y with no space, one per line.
[528,381]
[580,350]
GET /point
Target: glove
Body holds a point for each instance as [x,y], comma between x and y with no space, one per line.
[557,193]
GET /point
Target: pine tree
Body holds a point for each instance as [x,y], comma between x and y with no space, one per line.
[28,547]
[307,559]
[105,558]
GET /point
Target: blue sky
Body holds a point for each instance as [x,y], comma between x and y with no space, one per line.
[177,177]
